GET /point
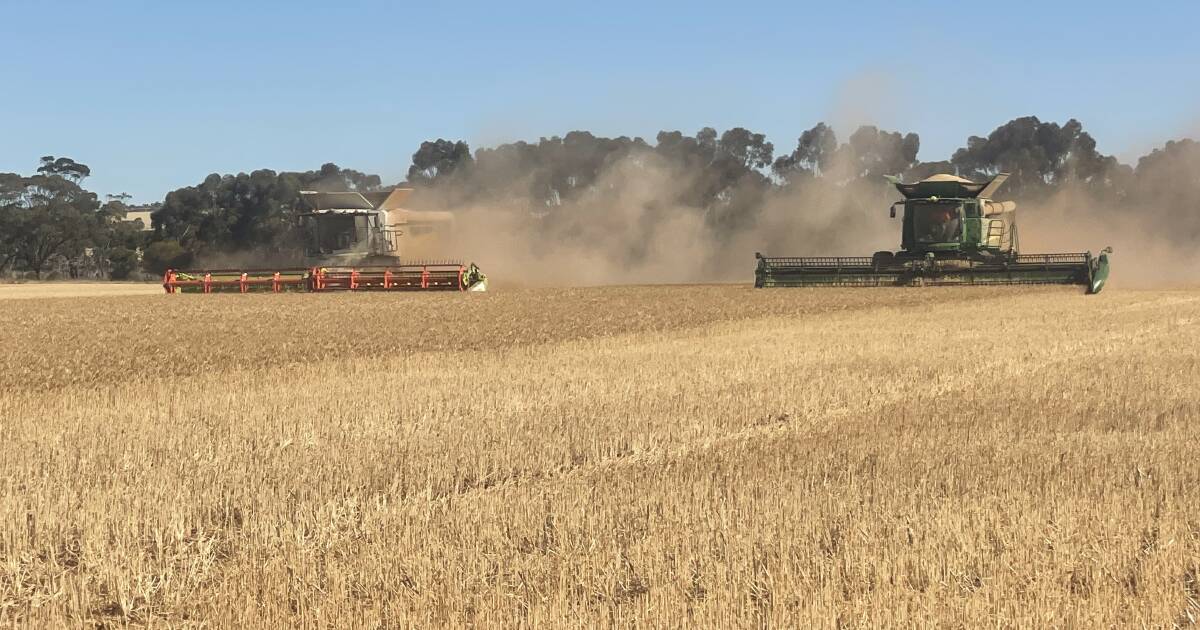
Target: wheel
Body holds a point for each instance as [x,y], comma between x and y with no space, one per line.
[882,259]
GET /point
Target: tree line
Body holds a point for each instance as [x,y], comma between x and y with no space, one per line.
[50,223]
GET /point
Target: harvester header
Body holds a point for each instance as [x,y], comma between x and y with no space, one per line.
[412,276]
[952,232]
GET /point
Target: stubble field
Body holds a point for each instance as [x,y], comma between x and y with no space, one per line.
[708,456]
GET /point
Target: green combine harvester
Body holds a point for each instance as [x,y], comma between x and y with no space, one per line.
[953,233]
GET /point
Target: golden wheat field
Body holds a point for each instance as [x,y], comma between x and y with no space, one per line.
[709,456]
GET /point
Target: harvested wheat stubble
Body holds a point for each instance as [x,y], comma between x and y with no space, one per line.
[32,290]
[709,456]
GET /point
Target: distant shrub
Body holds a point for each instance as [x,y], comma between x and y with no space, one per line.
[163,255]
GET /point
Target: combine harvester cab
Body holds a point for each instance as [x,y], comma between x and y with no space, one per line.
[353,241]
[953,233]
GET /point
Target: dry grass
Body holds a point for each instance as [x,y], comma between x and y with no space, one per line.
[31,290]
[678,456]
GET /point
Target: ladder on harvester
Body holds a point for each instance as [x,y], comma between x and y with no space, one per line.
[1000,238]
[995,234]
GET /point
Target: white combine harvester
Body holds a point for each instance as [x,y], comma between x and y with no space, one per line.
[354,243]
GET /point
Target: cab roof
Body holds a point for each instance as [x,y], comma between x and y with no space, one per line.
[946,185]
[316,202]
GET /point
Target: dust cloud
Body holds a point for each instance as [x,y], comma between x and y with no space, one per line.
[627,228]
[631,224]
[631,229]
[1148,251]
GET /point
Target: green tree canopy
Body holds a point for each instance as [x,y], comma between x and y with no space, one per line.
[439,159]
[47,216]
[1039,156]
[249,210]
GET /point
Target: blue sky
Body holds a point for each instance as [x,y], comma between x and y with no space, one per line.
[156,95]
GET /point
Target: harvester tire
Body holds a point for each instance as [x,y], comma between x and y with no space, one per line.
[882,260]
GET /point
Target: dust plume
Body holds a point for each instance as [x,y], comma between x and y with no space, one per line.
[1151,218]
[582,210]
[628,227]
[871,96]
[631,224]
[633,227]
[1148,250]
